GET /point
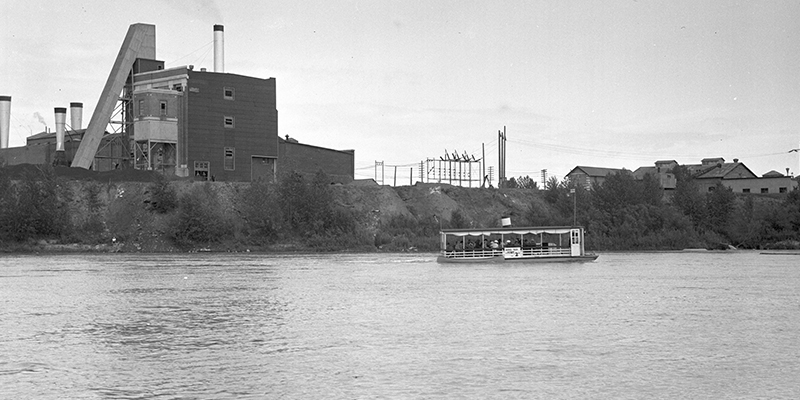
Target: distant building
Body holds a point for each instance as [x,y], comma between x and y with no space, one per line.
[590,176]
[662,170]
[707,174]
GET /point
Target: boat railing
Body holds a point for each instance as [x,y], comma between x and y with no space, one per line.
[475,253]
[526,252]
[545,251]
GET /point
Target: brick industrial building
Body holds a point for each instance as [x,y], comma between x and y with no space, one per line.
[182,121]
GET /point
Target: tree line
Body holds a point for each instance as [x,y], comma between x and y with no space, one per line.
[623,213]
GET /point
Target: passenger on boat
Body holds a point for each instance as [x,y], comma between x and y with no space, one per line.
[495,245]
[470,244]
[460,245]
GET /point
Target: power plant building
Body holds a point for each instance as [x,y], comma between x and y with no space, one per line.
[205,124]
[182,121]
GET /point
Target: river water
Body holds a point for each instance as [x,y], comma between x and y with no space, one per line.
[214,326]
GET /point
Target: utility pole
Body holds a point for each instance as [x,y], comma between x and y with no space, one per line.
[574,207]
[501,157]
[379,164]
[483,164]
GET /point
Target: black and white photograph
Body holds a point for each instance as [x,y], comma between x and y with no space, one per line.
[387,199]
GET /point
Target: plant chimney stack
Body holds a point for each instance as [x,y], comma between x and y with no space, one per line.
[219,48]
[75,116]
[5,120]
[61,120]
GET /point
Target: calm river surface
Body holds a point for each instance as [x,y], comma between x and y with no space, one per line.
[214,326]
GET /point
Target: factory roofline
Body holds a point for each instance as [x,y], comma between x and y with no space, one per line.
[294,141]
[186,69]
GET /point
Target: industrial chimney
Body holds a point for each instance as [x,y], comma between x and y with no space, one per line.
[219,48]
[5,120]
[75,116]
[61,119]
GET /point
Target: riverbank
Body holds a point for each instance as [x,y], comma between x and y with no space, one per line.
[125,212]
[60,210]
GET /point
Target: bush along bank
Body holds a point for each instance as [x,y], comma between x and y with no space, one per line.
[41,211]
[44,211]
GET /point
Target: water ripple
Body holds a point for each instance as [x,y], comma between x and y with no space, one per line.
[397,326]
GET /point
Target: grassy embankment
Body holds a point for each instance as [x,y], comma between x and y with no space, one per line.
[45,209]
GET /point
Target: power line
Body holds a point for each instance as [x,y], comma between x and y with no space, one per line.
[192,52]
[615,153]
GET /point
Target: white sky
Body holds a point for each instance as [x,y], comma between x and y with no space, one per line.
[608,84]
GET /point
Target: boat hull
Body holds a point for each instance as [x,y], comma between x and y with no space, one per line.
[478,260]
[501,259]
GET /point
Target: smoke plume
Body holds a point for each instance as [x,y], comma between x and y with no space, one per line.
[39,117]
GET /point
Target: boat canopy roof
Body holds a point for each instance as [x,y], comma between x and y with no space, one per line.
[553,230]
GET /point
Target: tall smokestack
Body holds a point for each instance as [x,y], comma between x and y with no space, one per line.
[61,120]
[219,48]
[5,120]
[76,116]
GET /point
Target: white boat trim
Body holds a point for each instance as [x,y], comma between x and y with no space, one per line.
[512,244]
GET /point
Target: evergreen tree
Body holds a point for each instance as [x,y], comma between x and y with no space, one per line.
[687,196]
[719,205]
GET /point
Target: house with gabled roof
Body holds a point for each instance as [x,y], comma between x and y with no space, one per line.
[712,171]
[662,170]
[590,176]
[771,182]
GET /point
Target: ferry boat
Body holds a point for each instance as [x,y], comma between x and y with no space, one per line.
[531,244]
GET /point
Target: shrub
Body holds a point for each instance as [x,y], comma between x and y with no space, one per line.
[163,197]
[260,211]
[93,225]
[404,232]
[37,207]
[458,220]
[200,218]
[308,209]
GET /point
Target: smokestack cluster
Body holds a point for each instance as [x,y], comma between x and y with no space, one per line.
[219,48]
[5,120]
[61,120]
[75,116]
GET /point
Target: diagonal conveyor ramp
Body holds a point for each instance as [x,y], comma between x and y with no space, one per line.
[140,42]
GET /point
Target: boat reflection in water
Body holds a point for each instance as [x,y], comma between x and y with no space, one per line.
[532,244]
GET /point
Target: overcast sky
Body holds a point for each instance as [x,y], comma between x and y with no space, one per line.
[608,84]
